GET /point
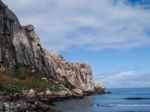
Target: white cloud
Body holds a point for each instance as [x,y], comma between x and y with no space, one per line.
[87,24]
[125,79]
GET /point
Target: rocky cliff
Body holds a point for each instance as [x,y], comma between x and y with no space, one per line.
[20,46]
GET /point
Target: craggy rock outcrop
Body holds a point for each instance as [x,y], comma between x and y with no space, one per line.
[20,46]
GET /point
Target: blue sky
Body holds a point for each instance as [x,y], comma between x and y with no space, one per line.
[113,36]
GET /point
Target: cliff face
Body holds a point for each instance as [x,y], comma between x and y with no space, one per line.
[20,46]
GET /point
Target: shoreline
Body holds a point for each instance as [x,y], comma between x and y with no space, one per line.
[36,102]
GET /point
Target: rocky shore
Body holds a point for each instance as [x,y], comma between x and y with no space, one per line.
[31,101]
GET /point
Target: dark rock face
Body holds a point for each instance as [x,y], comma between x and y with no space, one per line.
[18,49]
[20,45]
[2,5]
[7,50]
[12,19]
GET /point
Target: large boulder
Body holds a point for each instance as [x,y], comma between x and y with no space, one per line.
[98,88]
[77,92]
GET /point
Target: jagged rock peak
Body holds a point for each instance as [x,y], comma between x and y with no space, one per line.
[23,48]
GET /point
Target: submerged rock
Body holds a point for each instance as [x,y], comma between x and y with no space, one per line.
[137,98]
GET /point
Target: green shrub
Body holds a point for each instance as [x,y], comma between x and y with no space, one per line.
[12,88]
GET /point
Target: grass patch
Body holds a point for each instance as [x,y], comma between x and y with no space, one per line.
[25,80]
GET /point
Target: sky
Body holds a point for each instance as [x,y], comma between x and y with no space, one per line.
[113,36]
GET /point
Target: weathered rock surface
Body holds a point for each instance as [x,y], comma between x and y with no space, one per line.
[25,107]
[77,92]
[23,48]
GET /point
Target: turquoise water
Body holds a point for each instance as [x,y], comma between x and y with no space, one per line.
[139,101]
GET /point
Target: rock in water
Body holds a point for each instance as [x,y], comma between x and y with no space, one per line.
[20,45]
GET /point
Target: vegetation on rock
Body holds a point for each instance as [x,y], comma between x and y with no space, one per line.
[25,80]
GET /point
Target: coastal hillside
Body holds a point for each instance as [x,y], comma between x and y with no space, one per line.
[21,51]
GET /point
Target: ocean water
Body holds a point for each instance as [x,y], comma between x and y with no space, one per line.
[121,100]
